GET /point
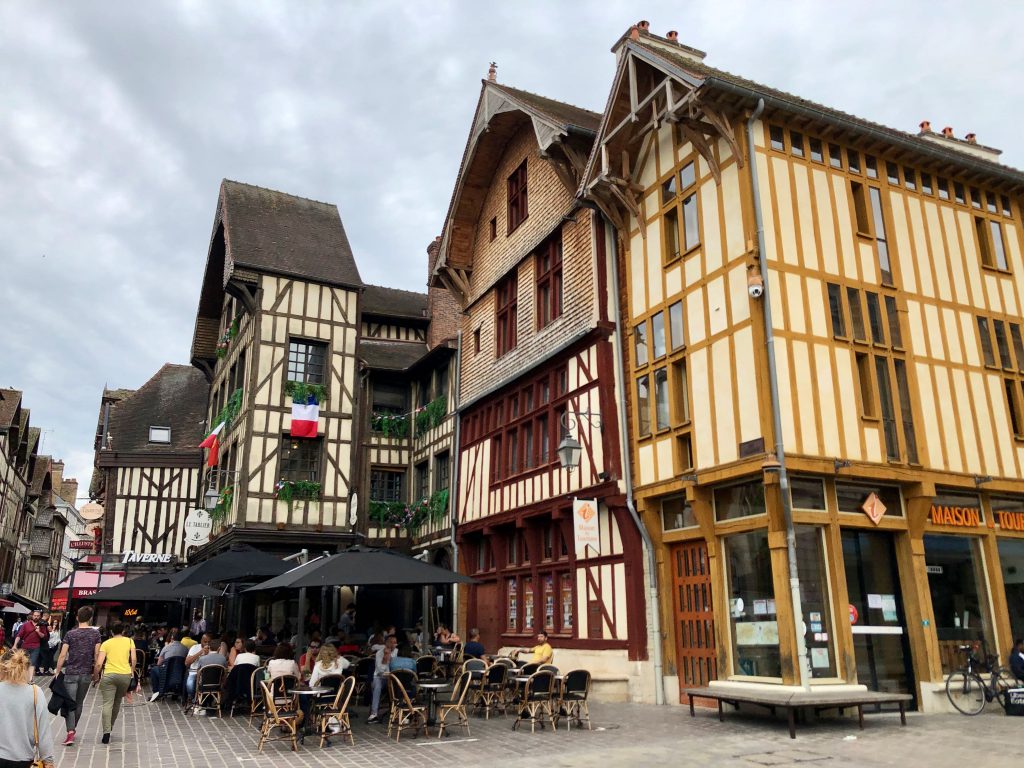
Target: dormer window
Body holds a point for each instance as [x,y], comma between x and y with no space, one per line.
[160,435]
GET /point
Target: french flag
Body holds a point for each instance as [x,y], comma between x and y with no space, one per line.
[213,443]
[305,417]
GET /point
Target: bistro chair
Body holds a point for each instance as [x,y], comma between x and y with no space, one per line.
[427,667]
[286,723]
[457,654]
[404,714]
[548,668]
[141,668]
[575,692]
[238,688]
[455,705]
[524,671]
[477,669]
[363,671]
[337,710]
[173,678]
[536,702]
[492,690]
[256,703]
[209,682]
[280,687]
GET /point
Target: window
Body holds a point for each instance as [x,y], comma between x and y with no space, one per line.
[742,500]
[517,207]
[1013,402]
[926,183]
[681,392]
[1002,345]
[676,514]
[752,618]
[880,238]
[549,281]
[306,361]
[895,336]
[422,488]
[300,459]
[807,493]
[661,398]
[476,341]
[643,406]
[442,471]
[835,306]
[691,227]
[996,229]
[875,318]
[816,150]
[778,137]
[990,203]
[975,198]
[494,228]
[505,317]
[525,423]
[850,498]
[796,143]
[958,192]
[856,314]
[389,398]
[986,342]
[906,412]
[853,161]
[1018,345]
[892,173]
[871,166]
[160,434]
[815,600]
[687,177]
[658,334]
[668,189]
[386,485]
[867,395]
[887,412]
[909,178]
[675,322]
[640,343]
[860,208]
[671,224]
[835,156]
[990,242]
[1005,202]
[943,186]
[683,454]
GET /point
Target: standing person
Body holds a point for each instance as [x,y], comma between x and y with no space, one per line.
[116,660]
[381,670]
[33,637]
[198,625]
[77,658]
[1017,659]
[24,721]
[53,644]
[347,622]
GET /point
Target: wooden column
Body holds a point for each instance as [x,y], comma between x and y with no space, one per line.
[1002,633]
[788,655]
[917,600]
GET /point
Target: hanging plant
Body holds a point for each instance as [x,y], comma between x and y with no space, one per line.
[431,415]
[222,510]
[410,517]
[390,424]
[230,410]
[224,343]
[300,391]
[290,490]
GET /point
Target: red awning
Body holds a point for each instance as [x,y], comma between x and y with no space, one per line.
[87,584]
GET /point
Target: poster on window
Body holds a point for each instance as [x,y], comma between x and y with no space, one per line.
[513,606]
[527,605]
[567,602]
[585,528]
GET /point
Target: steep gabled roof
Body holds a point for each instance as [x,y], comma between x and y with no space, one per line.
[558,112]
[394,302]
[10,399]
[176,397]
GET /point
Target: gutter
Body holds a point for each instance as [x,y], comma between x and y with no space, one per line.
[627,476]
[773,380]
[453,495]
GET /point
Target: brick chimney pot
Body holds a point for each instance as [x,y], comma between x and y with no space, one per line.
[926,127]
[947,132]
[971,138]
[492,72]
[644,25]
[673,36]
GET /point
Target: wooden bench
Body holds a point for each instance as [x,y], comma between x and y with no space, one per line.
[791,701]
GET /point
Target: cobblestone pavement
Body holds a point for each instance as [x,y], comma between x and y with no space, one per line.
[160,736]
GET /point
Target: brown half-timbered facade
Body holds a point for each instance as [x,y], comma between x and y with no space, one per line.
[529,272]
[892,264]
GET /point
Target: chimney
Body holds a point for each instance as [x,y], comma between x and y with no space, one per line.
[492,72]
[673,36]
[69,491]
[926,127]
[971,138]
[645,26]
[947,132]
[634,33]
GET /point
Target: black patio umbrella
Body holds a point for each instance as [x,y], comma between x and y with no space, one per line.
[362,567]
[153,586]
[242,563]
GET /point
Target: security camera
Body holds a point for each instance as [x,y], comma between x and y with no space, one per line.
[755,285]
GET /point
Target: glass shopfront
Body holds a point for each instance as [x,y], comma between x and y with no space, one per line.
[815,601]
[1011,561]
[753,619]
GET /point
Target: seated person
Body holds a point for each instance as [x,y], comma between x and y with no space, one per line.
[186,639]
[332,635]
[248,655]
[474,647]
[377,641]
[1017,660]
[327,663]
[172,649]
[381,670]
[201,655]
[444,636]
[307,659]
[345,645]
[541,653]
[283,663]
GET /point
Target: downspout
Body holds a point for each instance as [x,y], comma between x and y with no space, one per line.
[453,493]
[773,379]
[627,476]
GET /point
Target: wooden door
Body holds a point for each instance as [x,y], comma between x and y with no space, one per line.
[694,615]
[487,608]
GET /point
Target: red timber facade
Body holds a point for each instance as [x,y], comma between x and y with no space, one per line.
[524,262]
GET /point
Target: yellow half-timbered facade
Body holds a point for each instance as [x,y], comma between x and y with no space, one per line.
[892,264]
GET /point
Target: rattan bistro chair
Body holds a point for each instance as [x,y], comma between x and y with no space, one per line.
[536,704]
[492,694]
[404,714]
[256,703]
[209,686]
[141,667]
[337,709]
[573,701]
[456,705]
[427,667]
[287,723]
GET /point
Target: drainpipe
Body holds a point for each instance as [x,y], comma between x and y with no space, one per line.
[453,485]
[773,379]
[627,476]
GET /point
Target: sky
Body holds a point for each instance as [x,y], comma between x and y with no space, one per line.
[118,121]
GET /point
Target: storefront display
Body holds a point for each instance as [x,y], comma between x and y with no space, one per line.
[752,609]
[815,601]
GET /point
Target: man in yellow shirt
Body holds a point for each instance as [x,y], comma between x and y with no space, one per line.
[542,652]
[116,662]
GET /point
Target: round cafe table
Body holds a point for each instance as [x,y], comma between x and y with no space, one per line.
[431,687]
[307,700]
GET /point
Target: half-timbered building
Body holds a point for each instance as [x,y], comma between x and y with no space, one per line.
[528,269]
[824,326]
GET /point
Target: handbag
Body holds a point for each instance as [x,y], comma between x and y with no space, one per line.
[37,760]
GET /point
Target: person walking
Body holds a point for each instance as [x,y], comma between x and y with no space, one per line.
[24,721]
[33,636]
[77,658]
[116,661]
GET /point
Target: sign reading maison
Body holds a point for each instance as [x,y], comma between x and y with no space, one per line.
[962,517]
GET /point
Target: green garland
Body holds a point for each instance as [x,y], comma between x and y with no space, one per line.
[300,391]
[224,344]
[390,424]
[431,415]
[411,517]
[223,508]
[290,490]
[230,410]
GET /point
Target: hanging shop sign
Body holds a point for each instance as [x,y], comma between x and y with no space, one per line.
[131,556]
[82,543]
[960,517]
[198,526]
[585,526]
[874,508]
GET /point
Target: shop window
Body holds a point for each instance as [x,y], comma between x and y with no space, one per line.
[807,493]
[512,603]
[1011,562]
[752,611]
[550,598]
[676,514]
[528,604]
[567,603]
[742,500]
[815,601]
[850,497]
[956,581]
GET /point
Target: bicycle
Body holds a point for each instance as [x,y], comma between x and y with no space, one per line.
[966,688]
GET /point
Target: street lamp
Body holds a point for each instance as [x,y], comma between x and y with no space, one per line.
[569,449]
[217,476]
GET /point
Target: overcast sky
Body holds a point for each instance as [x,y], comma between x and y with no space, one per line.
[119,119]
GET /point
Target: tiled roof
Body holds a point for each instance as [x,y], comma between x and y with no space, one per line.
[175,397]
[557,111]
[393,302]
[276,232]
[9,401]
[40,473]
[117,394]
[390,355]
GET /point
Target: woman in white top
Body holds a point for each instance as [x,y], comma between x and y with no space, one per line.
[283,663]
[328,662]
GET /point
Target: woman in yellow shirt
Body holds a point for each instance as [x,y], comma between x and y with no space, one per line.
[116,661]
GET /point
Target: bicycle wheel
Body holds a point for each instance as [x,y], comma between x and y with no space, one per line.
[966,692]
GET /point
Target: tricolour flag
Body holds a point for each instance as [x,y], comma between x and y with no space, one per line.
[305,417]
[213,444]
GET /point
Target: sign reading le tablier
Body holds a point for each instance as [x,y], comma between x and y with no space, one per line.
[584,526]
